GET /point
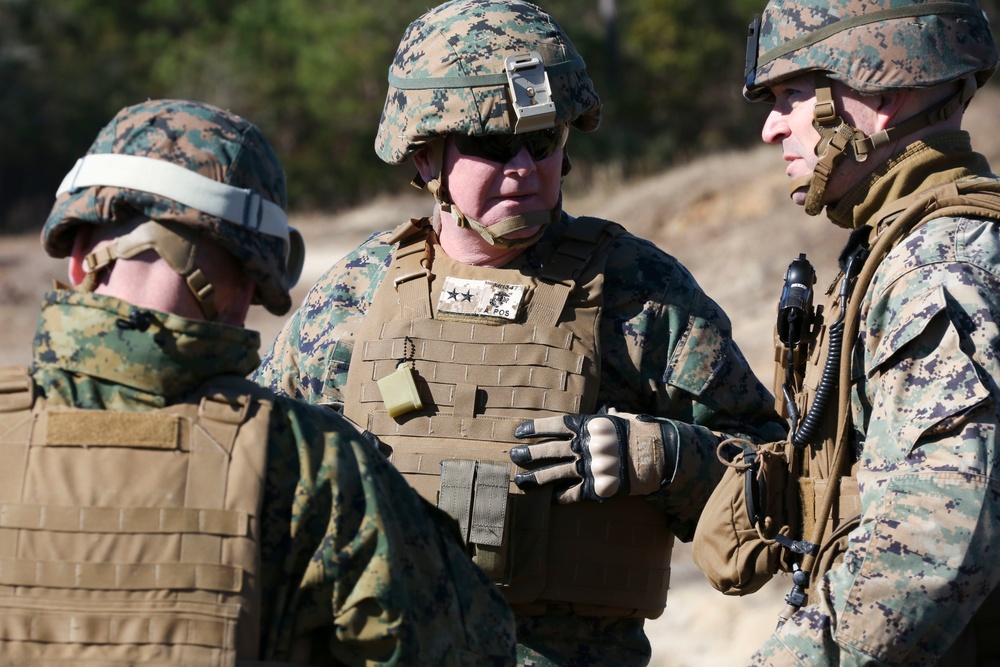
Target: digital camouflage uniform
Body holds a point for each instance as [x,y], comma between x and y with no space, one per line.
[353,567]
[661,346]
[913,582]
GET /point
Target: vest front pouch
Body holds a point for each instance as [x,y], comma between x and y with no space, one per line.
[476,494]
[131,538]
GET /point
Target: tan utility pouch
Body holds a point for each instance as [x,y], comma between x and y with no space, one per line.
[736,556]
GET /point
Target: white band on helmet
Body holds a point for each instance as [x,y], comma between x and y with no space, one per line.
[166,179]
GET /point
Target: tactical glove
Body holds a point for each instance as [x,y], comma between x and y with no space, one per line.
[597,457]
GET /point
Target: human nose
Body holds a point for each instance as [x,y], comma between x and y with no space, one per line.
[775,128]
[522,163]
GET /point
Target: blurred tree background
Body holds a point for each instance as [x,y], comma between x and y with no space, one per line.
[312,75]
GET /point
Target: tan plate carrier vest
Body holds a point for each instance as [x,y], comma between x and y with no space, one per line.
[816,467]
[130,537]
[478,380]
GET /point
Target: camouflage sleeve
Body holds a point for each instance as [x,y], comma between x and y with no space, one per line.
[310,356]
[356,567]
[920,565]
[668,350]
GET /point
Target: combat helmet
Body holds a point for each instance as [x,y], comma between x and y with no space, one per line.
[478,68]
[171,171]
[872,46]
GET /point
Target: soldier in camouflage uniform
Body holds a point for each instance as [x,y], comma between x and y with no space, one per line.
[885,501]
[501,330]
[159,508]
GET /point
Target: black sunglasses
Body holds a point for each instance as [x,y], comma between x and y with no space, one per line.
[503,147]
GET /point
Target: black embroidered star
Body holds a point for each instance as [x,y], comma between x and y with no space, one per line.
[467,296]
[453,295]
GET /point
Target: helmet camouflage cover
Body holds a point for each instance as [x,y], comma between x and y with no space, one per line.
[208,141]
[870,45]
[449,75]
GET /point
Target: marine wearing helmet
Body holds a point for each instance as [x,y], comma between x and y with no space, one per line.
[169,172]
[870,46]
[876,502]
[485,70]
[520,371]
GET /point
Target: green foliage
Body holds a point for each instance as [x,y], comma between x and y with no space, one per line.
[312,74]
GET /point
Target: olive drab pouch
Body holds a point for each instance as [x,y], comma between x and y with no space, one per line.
[131,538]
[475,494]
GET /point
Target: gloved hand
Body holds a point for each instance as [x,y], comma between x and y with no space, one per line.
[599,457]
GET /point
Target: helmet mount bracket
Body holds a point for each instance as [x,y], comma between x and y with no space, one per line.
[530,92]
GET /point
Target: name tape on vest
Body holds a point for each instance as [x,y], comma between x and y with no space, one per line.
[480,298]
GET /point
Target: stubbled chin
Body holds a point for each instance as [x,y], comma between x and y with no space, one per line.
[799,197]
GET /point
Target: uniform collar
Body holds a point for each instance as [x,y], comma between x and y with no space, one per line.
[147,351]
[939,159]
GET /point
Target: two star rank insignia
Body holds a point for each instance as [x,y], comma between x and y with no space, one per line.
[480,298]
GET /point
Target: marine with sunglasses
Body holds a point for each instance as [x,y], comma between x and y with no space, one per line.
[557,384]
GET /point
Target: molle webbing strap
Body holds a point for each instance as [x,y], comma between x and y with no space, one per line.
[16,389]
[497,376]
[464,397]
[413,278]
[475,493]
[580,241]
[494,430]
[460,333]
[504,354]
[16,421]
[173,520]
[122,577]
[65,625]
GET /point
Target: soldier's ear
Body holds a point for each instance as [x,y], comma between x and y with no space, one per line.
[888,109]
[81,248]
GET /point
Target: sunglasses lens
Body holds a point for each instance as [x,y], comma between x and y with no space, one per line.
[502,147]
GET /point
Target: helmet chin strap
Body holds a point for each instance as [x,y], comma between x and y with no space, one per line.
[496,233]
[174,243]
[838,139]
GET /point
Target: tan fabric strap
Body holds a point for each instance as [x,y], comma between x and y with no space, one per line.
[487,376]
[580,241]
[504,354]
[464,398]
[111,576]
[413,279]
[72,628]
[123,519]
[488,429]
[457,332]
